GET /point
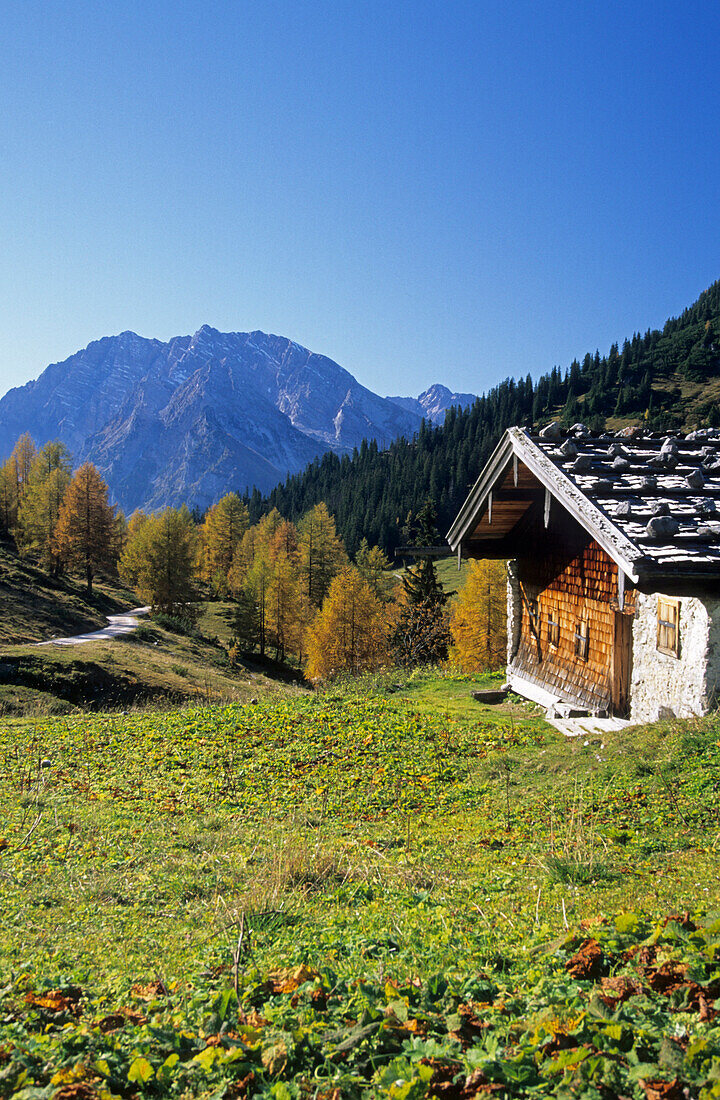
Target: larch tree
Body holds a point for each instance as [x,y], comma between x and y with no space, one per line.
[242,561]
[374,567]
[257,541]
[23,456]
[8,496]
[85,530]
[14,478]
[284,542]
[221,534]
[322,554]
[478,621]
[253,611]
[159,561]
[135,549]
[285,606]
[39,508]
[350,632]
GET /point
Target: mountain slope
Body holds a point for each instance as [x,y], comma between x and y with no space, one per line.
[667,379]
[191,419]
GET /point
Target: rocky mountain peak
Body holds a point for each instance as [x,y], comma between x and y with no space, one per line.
[197,416]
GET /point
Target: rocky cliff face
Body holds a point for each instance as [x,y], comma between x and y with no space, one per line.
[198,416]
[434,402]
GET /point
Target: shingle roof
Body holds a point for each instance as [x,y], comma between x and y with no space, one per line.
[653,502]
[663,493]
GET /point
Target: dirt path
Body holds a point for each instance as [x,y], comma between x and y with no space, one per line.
[117,626]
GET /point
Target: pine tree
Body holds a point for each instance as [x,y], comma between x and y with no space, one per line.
[85,530]
[246,623]
[422,635]
[420,581]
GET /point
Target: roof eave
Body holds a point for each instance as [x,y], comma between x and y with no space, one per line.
[476,497]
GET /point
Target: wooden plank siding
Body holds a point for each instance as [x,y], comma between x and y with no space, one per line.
[570,593]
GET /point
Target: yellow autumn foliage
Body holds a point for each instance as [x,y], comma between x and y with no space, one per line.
[478,621]
[350,632]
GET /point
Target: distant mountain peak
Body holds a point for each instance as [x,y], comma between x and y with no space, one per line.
[433,403]
[207,332]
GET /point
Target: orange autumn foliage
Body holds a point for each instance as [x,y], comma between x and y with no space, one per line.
[350,632]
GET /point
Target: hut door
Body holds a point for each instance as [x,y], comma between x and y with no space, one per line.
[622,664]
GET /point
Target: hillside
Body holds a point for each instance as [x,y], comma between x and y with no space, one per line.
[667,379]
[391,891]
[154,666]
[150,668]
[35,606]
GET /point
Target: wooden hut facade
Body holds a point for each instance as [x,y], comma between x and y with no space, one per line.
[614,567]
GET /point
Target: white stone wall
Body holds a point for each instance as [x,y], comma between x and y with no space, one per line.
[713,651]
[514,611]
[666,686]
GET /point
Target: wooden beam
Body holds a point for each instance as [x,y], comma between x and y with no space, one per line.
[546,514]
[522,496]
[489,506]
[441,551]
[515,469]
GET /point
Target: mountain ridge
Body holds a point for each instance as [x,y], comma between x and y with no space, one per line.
[188,419]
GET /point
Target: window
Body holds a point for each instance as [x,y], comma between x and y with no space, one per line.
[582,641]
[668,626]
[553,630]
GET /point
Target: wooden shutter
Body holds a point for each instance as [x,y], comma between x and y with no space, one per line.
[668,626]
[582,641]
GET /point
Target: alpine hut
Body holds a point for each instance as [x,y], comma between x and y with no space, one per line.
[613,548]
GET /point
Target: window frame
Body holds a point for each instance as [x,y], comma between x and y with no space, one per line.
[553,630]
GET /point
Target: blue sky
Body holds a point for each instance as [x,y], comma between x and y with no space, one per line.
[424,191]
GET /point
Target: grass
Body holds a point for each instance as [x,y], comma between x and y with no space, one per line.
[354,893]
[215,620]
[452,578]
[150,667]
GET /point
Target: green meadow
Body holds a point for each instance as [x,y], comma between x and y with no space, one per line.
[383,889]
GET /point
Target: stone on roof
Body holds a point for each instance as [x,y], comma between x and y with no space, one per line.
[657,490]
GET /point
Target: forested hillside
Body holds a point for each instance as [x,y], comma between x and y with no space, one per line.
[666,379]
